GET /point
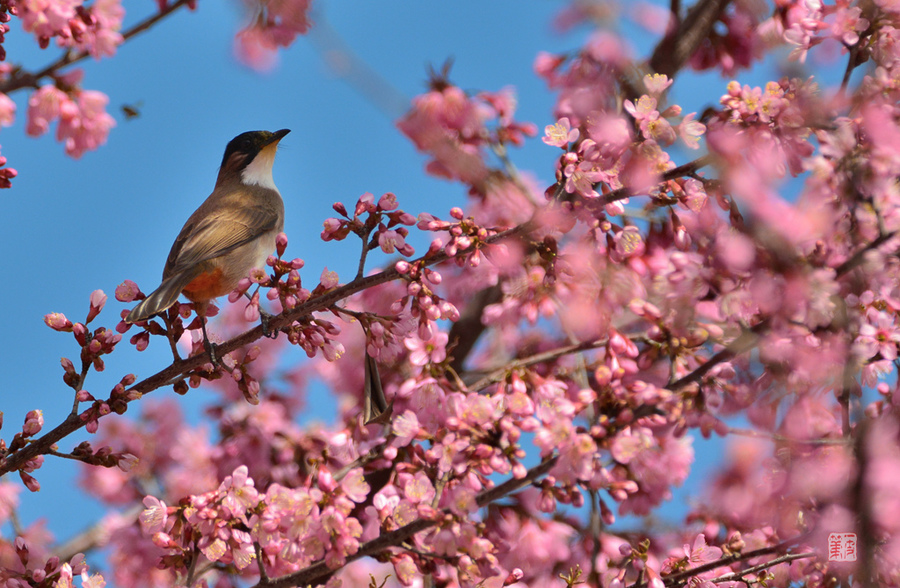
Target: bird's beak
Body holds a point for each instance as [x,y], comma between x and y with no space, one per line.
[278,136]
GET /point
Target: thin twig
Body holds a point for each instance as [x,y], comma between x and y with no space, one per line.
[500,373]
[678,578]
[763,566]
[782,439]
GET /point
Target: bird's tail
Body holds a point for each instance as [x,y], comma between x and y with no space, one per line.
[161,298]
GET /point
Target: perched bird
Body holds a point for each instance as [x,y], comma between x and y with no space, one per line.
[232,232]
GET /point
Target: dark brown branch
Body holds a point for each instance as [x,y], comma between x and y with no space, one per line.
[500,373]
[763,566]
[745,342]
[677,47]
[857,259]
[319,572]
[680,577]
[23,79]
[468,329]
[180,370]
[681,171]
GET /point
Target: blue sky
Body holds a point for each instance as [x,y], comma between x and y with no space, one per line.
[70,227]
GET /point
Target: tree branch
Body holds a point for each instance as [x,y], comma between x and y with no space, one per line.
[468,329]
[686,169]
[500,373]
[23,79]
[677,47]
[179,370]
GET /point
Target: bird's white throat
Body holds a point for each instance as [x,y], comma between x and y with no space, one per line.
[259,171]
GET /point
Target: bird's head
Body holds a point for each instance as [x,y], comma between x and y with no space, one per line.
[251,155]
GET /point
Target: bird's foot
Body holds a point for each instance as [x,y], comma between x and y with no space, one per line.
[264,319]
[213,356]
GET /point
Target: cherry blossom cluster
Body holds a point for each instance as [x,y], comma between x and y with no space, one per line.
[293,525]
[83,123]
[807,24]
[94,345]
[382,217]
[601,149]
[93,28]
[452,128]
[28,571]
[272,25]
[425,305]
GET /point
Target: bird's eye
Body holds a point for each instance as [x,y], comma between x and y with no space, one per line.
[246,144]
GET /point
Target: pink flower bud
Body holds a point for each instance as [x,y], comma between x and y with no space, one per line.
[80,332]
[387,202]
[141,340]
[127,462]
[127,291]
[449,311]
[68,366]
[32,485]
[457,213]
[98,300]
[34,421]
[365,204]
[514,576]
[58,322]
[281,242]
[433,276]
[326,481]
[329,279]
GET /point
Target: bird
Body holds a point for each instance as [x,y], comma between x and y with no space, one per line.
[231,233]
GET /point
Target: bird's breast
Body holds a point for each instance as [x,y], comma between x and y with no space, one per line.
[221,274]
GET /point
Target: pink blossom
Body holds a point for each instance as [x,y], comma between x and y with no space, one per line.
[690,131]
[656,83]
[153,518]
[7,110]
[329,279]
[560,134]
[391,240]
[34,421]
[880,334]
[424,352]
[276,25]
[44,106]
[84,125]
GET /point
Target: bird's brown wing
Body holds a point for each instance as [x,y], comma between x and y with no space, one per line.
[214,231]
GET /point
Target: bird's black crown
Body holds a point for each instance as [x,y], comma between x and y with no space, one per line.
[251,143]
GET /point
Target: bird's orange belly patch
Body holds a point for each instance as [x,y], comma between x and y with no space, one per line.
[206,286]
